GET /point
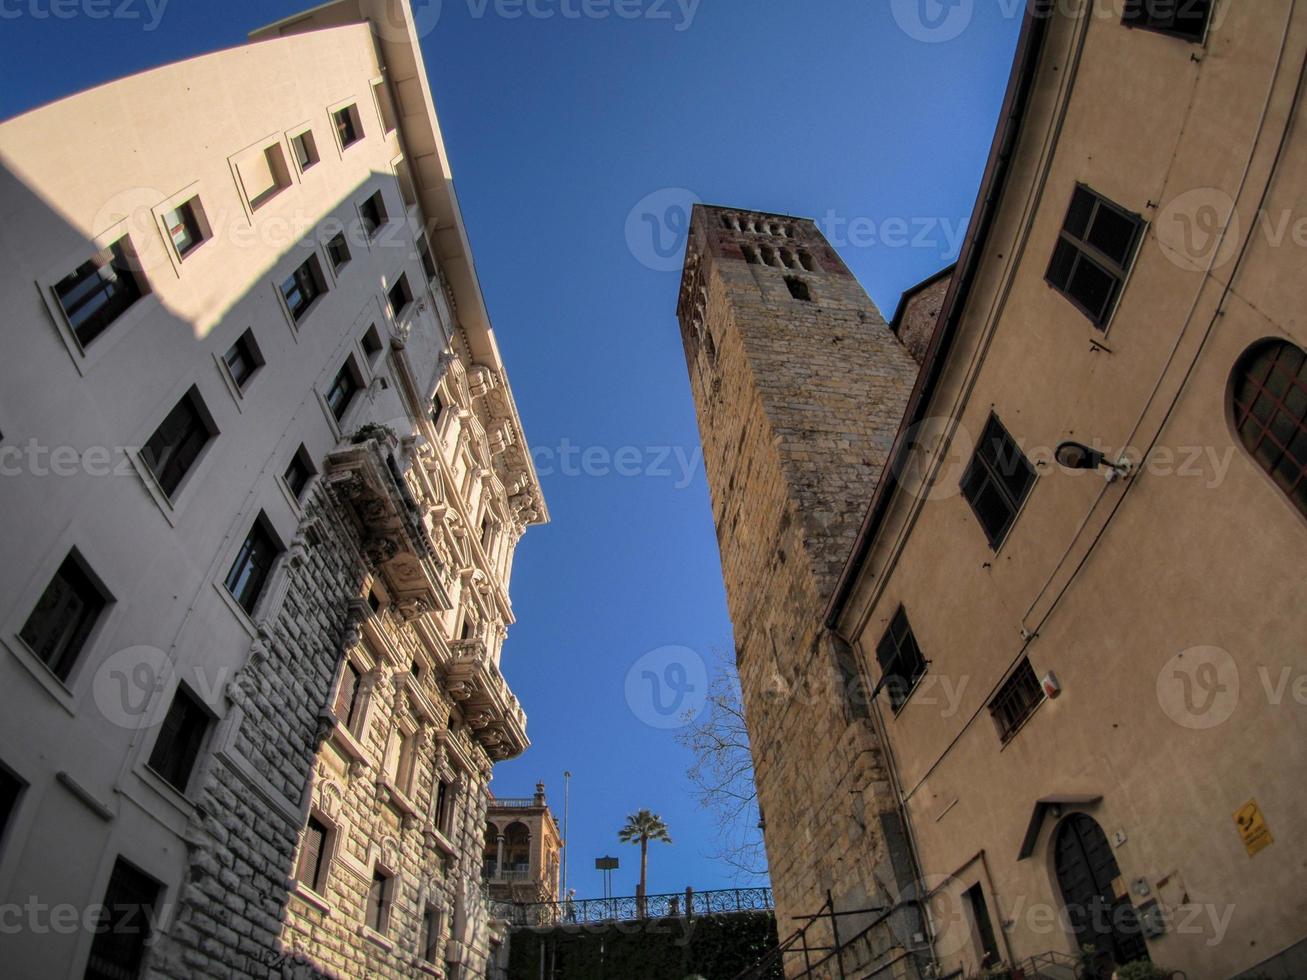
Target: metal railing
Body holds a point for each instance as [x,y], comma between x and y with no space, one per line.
[631,908]
[513,802]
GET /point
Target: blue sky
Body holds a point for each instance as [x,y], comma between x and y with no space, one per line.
[872,117]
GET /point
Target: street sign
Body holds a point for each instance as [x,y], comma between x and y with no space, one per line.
[606,864]
[1252,828]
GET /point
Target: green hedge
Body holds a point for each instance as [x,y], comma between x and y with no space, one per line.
[712,947]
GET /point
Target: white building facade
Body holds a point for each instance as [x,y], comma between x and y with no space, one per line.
[263,477]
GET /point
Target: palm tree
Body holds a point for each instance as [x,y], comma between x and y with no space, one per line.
[644,826]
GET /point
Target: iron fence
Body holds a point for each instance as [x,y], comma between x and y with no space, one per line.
[631,908]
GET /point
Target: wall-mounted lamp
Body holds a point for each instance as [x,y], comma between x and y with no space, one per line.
[1077,456]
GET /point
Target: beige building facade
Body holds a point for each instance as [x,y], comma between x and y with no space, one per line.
[523,850]
[1083,666]
[263,482]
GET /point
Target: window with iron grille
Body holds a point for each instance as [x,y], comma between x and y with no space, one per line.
[342,391]
[177,443]
[299,472]
[1016,700]
[1269,402]
[302,287]
[58,628]
[243,359]
[349,128]
[1093,254]
[1185,19]
[100,290]
[901,662]
[378,904]
[177,747]
[122,932]
[373,213]
[348,707]
[997,481]
[249,573]
[311,871]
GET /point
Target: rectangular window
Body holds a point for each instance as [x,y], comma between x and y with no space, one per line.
[424,254]
[11,788]
[122,933]
[378,907]
[1016,700]
[306,149]
[1185,19]
[1093,254]
[371,344]
[431,930]
[185,228]
[997,481]
[57,629]
[373,213]
[348,701]
[400,295]
[249,573]
[403,761]
[177,747]
[100,290]
[437,409]
[343,388]
[303,287]
[901,662]
[338,251]
[177,443]
[243,359]
[299,472]
[349,128]
[313,865]
[385,108]
[798,289]
[404,178]
[263,174]
[979,908]
[444,806]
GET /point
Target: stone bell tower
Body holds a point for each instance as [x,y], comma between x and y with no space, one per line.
[799,387]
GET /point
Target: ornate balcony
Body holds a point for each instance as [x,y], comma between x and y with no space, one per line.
[492,712]
[396,544]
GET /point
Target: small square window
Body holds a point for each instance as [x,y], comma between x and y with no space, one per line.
[338,251]
[371,344]
[378,905]
[122,932]
[299,472]
[314,861]
[186,228]
[263,174]
[1093,254]
[400,295]
[1016,700]
[178,442]
[58,628]
[100,290]
[177,748]
[303,287]
[306,149]
[342,391]
[373,214]
[349,128]
[997,481]
[798,289]
[243,359]
[253,565]
[1185,19]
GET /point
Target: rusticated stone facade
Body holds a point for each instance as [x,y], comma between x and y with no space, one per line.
[799,386]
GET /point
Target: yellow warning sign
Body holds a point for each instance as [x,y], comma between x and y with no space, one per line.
[1252,828]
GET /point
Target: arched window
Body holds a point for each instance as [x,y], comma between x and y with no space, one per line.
[1269,400]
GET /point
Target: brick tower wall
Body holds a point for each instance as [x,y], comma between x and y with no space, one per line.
[798,403]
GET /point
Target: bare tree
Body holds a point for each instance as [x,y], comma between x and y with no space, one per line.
[722,774]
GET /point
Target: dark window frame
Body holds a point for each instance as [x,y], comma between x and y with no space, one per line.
[351,681]
[190,221]
[374,215]
[377,908]
[180,741]
[1016,700]
[1074,252]
[902,663]
[337,244]
[62,642]
[245,354]
[1267,402]
[252,568]
[405,292]
[986,477]
[1187,20]
[349,125]
[299,471]
[12,789]
[122,933]
[344,388]
[799,289]
[427,259]
[315,848]
[307,285]
[110,279]
[307,142]
[171,456]
[371,344]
